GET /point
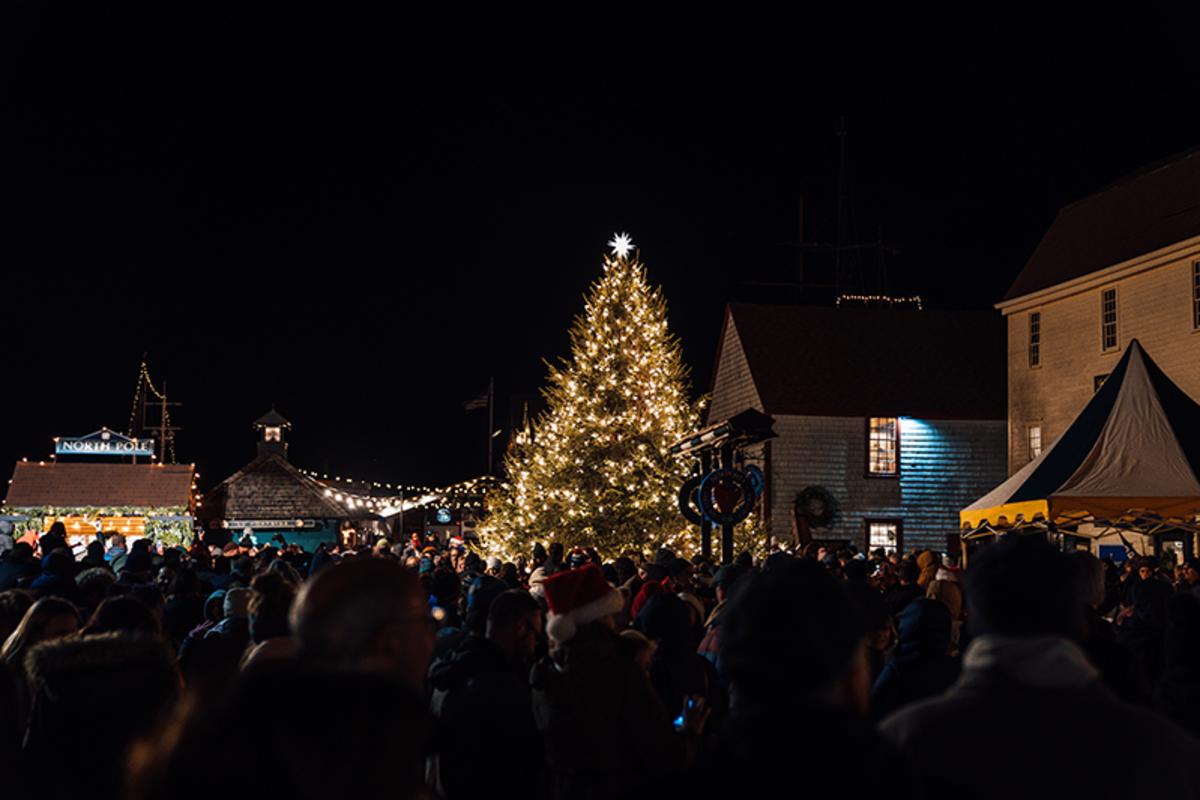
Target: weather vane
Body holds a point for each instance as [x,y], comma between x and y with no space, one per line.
[621,244]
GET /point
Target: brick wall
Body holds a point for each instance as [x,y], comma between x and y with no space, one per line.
[944,466]
[1154,307]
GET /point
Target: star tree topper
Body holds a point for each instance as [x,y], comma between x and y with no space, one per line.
[621,244]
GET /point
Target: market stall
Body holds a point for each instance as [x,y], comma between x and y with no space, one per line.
[1125,473]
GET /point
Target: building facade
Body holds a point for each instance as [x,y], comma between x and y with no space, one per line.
[269,499]
[897,414]
[1118,265]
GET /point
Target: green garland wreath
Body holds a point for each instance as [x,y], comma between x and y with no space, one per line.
[817,505]
[171,532]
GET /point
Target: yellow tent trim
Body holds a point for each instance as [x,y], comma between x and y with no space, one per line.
[1005,514]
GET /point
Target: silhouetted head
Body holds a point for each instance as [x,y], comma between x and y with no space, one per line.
[366,614]
[794,630]
[1023,586]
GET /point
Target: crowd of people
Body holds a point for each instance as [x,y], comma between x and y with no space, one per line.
[421,670]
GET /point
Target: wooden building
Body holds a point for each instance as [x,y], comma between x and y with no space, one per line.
[1118,265]
[270,497]
[136,500]
[897,414]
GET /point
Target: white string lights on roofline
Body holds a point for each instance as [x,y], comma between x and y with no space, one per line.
[464,495]
[867,299]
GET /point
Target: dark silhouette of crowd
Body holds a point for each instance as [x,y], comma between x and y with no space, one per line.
[422,669]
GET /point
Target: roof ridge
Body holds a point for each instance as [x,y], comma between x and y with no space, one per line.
[1132,177]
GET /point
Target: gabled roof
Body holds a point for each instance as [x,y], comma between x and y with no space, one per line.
[1156,207]
[271,488]
[78,484]
[1134,447]
[863,362]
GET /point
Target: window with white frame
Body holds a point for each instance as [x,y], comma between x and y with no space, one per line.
[1035,338]
[883,446]
[1108,319]
[883,534]
[1196,295]
[1035,441]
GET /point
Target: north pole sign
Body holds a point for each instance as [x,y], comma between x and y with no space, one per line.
[103,443]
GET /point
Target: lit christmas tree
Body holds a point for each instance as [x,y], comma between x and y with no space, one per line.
[594,470]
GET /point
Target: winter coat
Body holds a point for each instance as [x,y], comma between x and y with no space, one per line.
[607,734]
[1041,702]
[106,690]
[287,731]
[921,667]
[710,645]
[791,748]
[899,596]
[485,728]
[927,560]
[17,573]
[1120,670]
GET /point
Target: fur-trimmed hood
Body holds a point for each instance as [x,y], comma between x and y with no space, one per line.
[62,659]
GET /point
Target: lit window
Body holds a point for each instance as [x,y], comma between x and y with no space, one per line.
[271,434]
[1035,441]
[1035,338]
[1196,295]
[883,446]
[1108,319]
[883,534]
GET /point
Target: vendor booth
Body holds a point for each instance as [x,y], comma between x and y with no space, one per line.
[1125,472]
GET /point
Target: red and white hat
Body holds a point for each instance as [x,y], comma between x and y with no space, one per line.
[577,597]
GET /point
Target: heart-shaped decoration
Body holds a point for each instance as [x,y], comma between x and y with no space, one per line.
[726,497]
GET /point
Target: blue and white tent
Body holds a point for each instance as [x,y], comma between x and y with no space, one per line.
[1130,459]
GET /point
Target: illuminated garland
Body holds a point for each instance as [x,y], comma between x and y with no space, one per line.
[867,299]
[166,531]
[144,381]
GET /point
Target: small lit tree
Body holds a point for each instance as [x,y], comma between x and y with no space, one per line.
[594,469]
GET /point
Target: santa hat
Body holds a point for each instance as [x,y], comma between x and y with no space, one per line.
[577,597]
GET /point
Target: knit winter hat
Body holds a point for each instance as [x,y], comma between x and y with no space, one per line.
[577,597]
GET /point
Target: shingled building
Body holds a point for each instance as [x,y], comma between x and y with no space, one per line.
[897,414]
[270,497]
[89,498]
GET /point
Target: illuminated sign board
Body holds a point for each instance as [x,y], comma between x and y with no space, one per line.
[103,443]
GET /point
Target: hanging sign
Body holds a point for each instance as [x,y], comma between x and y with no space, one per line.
[103,443]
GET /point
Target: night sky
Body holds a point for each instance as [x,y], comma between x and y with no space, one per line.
[360,218]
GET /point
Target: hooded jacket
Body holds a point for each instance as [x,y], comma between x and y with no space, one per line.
[921,667]
[1043,701]
[106,690]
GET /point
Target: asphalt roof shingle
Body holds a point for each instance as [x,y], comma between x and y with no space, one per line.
[866,362]
[78,484]
[1154,208]
[270,488]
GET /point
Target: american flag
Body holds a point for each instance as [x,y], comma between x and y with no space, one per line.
[476,403]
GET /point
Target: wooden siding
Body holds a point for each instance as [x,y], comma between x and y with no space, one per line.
[1154,307]
[944,466]
[733,385]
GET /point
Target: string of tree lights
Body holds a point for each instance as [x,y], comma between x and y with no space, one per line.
[594,469]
